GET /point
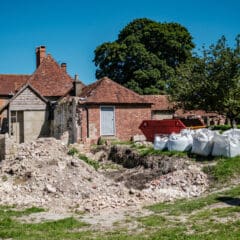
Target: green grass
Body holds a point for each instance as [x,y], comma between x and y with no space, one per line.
[224,170]
[188,206]
[201,222]
[7,211]
[95,164]
[147,151]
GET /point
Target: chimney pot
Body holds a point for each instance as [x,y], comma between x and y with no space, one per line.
[64,67]
[40,54]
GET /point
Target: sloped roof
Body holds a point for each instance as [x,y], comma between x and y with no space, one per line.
[27,85]
[160,102]
[186,113]
[11,83]
[107,91]
[50,80]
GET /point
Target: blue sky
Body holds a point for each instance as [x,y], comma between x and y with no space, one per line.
[72,29]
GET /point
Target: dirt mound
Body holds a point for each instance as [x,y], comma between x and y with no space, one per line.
[43,174]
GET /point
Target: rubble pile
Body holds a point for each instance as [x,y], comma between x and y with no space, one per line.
[42,174]
[190,182]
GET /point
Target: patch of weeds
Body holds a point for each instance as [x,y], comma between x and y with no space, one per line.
[152,151]
[110,166]
[224,170]
[73,151]
[93,163]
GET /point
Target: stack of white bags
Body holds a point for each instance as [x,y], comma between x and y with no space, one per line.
[203,142]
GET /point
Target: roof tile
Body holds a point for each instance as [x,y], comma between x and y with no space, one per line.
[107,91]
[160,102]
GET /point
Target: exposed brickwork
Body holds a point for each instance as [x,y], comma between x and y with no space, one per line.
[160,102]
[127,120]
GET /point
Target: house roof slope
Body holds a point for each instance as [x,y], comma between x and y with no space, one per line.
[50,80]
[11,83]
[160,102]
[107,91]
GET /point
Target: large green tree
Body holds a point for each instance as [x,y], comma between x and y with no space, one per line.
[145,55]
[211,82]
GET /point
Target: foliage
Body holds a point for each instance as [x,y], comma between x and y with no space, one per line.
[223,128]
[145,55]
[95,164]
[73,151]
[210,82]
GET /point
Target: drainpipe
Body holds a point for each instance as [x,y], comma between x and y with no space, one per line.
[9,121]
[87,121]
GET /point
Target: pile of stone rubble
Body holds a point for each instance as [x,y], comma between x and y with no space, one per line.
[42,174]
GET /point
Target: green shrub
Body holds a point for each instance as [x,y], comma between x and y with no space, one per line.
[223,128]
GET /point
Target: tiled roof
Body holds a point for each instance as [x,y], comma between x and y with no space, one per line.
[10,84]
[186,113]
[107,91]
[160,102]
[50,80]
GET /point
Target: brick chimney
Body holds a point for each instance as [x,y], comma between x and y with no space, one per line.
[78,86]
[40,54]
[64,67]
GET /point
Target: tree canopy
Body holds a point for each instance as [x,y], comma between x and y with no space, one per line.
[145,55]
[211,82]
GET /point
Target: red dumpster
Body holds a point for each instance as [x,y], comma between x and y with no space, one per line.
[167,126]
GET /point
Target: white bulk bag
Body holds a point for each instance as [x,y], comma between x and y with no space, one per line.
[160,143]
[226,146]
[179,142]
[203,142]
[233,132]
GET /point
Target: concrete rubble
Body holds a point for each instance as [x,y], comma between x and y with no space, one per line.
[42,174]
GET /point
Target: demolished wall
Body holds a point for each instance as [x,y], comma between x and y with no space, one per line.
[66,119]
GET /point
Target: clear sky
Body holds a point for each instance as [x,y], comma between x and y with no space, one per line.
[72,29]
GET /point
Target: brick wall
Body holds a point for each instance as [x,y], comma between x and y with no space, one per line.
[127,120]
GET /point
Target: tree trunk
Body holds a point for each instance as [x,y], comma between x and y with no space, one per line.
[233,123]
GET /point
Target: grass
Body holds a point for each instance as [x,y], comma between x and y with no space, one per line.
[188,206]
[195,219]
[95,164]
[147,151]
[224,170]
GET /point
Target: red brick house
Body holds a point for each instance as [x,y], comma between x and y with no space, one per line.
[102,109]
[163,108]
[26,100]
